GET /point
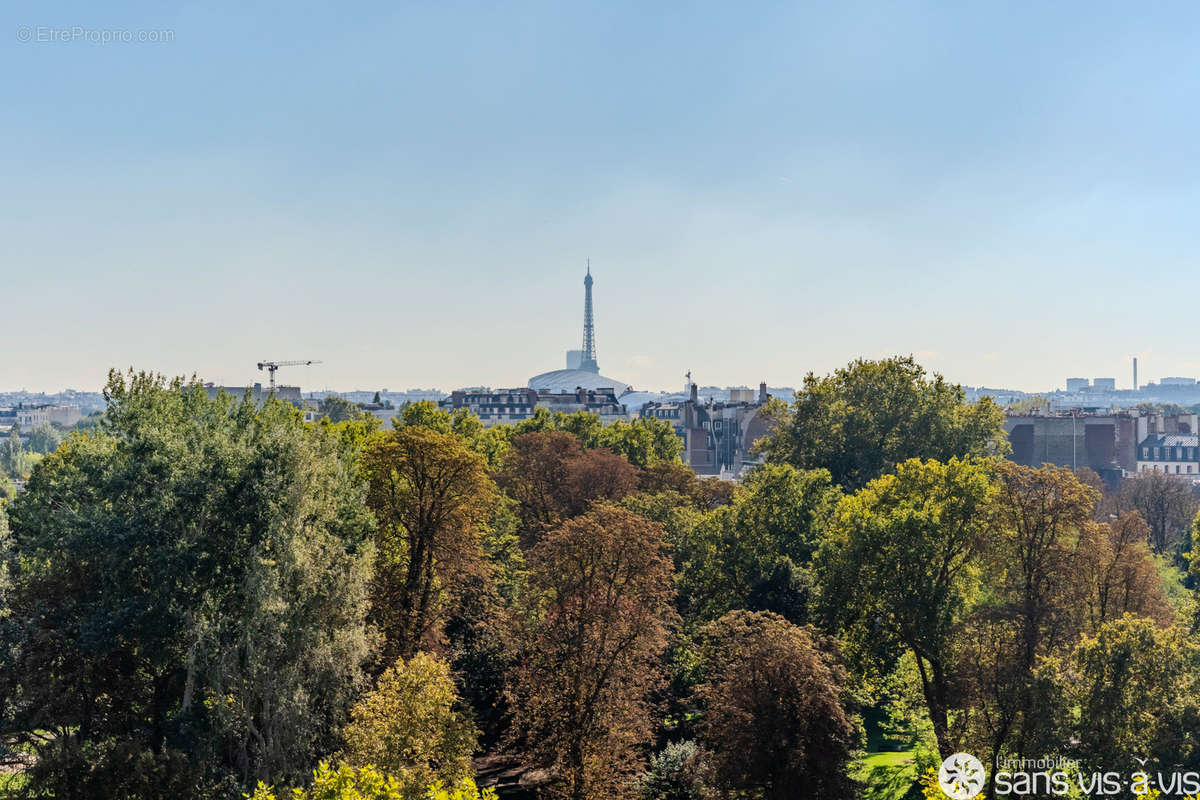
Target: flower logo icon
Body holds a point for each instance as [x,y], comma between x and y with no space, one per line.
[961,776]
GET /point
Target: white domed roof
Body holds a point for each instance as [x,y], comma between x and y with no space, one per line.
[568,380]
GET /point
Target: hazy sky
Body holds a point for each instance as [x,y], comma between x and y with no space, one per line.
[408,191]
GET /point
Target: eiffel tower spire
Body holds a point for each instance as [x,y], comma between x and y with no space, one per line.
[589,329]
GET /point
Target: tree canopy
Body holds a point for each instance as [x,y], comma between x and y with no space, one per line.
[590,650]
[777,713]
[205,598]
[430,495]
[410,726]
[870,416]
[190,597]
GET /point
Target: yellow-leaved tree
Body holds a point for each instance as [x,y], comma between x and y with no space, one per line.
[410,727]
[368,783]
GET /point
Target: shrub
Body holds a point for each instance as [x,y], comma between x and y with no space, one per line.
[368,783]
[672,774]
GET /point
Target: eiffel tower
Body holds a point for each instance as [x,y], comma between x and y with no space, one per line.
[588,362]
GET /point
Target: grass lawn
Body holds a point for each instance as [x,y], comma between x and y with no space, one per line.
[887,775]
[872,760]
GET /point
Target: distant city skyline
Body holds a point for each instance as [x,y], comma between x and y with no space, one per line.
[308,382]
[409,192]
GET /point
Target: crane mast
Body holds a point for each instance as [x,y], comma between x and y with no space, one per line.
[272,366]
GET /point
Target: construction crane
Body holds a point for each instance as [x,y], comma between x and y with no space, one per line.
[271,366]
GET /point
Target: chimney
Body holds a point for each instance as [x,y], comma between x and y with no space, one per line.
[695,393]
[762,394]
[1135,383]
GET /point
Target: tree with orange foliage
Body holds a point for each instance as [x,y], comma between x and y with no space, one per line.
[552,479]
[591,651]
[1117,575]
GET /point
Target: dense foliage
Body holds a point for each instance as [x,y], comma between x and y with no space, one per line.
[207,598]
[777,718]
[591,646]
[188,604]
[409,726]
[866,418]
[368,783]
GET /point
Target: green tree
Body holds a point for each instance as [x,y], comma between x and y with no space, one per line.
[755,553]
[1193,568]
[409,726]
[1131,688]
[642,442]
[431,495]
[90,421]
[672,774]
[896,570]
[587,428]
[1039,591]
[191,597]
[777,718]
[6,554]
[14,461]
[868,417]
[338,409]
[44,439]
[1050,573]
[491,443]
[590,651]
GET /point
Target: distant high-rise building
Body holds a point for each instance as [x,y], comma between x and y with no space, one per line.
[1104,384]
[1078,384]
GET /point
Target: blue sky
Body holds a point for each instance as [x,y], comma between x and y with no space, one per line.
[408,191]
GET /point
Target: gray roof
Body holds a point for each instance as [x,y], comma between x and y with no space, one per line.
[1172,440]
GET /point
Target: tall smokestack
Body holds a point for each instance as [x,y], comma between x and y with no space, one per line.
[1135,383]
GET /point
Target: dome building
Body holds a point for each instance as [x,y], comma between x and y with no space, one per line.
[582,371]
